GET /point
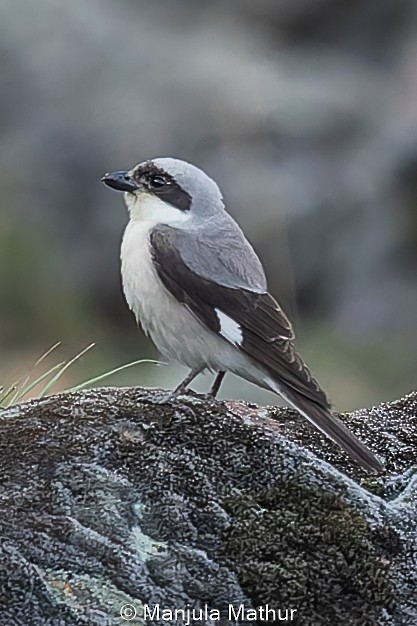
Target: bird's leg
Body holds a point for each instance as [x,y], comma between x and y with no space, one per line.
[184,384]
[170,396]
[214,389]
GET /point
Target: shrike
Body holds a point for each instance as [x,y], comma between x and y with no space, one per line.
[197,288]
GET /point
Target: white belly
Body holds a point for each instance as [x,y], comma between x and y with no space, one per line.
[176,332]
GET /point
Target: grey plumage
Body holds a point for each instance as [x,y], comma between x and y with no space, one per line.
[220,254]
[199,291]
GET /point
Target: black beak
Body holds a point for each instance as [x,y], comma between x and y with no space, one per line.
[121,181]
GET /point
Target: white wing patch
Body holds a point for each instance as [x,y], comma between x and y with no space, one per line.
[229,329]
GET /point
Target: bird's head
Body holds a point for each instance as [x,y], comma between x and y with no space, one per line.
[167,191]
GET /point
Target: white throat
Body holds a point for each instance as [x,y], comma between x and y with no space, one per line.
[145,207]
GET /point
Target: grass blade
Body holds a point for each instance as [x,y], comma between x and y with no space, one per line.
[23,387]
[96,379]
[47,353]
[63,369]
[37,380]
[9,392]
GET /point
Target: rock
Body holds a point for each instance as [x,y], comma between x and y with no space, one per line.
[113,497]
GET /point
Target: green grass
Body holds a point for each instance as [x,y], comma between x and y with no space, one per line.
[47,381]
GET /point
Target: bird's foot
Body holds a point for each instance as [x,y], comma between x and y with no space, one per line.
[171,396]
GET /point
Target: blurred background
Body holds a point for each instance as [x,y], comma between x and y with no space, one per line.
[305,113]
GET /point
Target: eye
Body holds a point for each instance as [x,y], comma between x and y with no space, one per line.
[157,182]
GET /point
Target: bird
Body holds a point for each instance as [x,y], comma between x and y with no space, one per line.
[199,291]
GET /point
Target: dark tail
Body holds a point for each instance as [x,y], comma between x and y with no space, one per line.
[334,428]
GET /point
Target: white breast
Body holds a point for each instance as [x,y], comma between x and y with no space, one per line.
[138,274]
[143,290]
[176,332]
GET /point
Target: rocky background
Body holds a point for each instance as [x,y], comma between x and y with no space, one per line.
[304,112]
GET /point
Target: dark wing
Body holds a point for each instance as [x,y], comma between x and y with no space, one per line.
[223,252]
[265,334]
[266,331]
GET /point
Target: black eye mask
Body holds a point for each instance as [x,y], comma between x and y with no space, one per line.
[164,186]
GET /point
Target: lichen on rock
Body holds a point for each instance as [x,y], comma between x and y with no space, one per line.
[115,496]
